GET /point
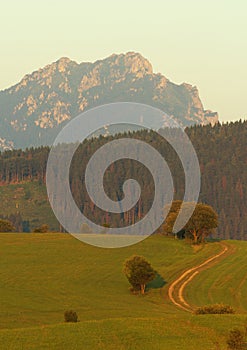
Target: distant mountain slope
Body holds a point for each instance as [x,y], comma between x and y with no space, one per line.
[33,111]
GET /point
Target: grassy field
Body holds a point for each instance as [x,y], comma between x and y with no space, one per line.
[226,282]
[181,332]
[42,275]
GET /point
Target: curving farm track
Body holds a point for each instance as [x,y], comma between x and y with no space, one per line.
[176,289]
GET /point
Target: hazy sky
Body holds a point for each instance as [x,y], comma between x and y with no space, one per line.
[202,42]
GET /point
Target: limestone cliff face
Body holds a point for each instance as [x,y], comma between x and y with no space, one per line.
[195,107]
[33,111]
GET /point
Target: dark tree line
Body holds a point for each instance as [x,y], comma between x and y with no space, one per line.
[19,165]
[221,151]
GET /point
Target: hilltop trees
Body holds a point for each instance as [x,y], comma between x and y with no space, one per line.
[139,272]
[202,222]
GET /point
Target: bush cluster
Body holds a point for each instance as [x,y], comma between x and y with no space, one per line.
[236,340]
[214,309]
[70,316]
[41,229]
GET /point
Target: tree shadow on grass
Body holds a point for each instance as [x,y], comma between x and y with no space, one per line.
[158,282]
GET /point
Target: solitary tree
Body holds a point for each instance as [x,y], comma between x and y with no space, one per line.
[202,222]
[139,272]
[6,226]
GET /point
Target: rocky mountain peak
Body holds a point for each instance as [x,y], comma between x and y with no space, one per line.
[133,62]
[136,63]
[63,63]
[33,111]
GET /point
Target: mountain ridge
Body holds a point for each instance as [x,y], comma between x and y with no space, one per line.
[33,111]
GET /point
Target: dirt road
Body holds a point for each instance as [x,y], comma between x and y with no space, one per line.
[176,289]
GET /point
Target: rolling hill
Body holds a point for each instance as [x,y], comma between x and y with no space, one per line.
[42,275]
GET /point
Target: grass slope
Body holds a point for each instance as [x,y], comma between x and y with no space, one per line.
[183,332]
[226,282]
[42,275]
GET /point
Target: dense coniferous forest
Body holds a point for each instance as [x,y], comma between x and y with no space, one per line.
[221,151]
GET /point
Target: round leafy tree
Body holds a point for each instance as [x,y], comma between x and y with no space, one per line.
[139,272]
[202,222]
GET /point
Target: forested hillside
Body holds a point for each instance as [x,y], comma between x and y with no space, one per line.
[221,151]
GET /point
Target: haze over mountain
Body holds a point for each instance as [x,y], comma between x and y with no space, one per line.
[33,111]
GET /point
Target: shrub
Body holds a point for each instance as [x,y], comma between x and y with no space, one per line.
[6,226]
[85,228]
[41,229]
[235,339]
[106,228]
[214,309]
[70,316]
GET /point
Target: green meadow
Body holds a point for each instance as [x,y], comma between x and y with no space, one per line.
[42,275]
